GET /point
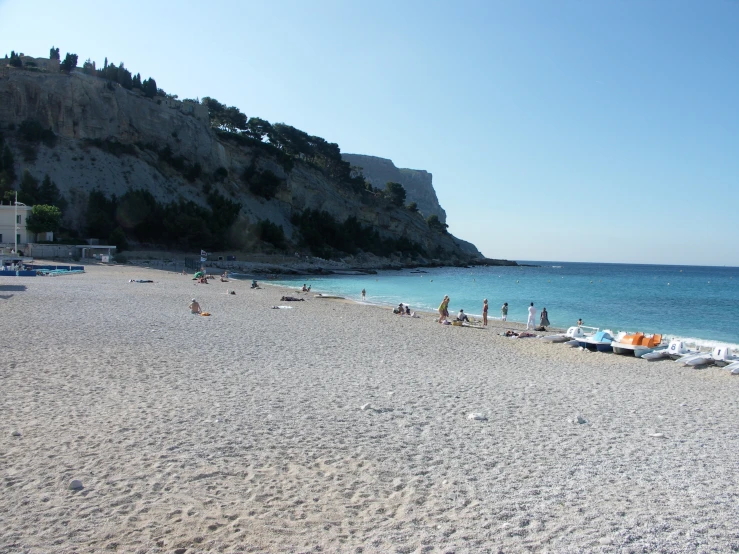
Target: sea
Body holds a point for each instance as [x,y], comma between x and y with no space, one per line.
[699,304]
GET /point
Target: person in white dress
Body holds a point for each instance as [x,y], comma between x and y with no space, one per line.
[532,317]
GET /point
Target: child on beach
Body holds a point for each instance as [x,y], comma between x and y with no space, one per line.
[485,313]
[504,311]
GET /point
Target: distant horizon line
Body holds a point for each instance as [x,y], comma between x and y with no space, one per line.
[624,263]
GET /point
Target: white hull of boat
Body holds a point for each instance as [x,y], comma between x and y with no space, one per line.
[658,354]
[555,338]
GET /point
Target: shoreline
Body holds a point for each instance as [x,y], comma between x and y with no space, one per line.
[262,275]
[337,425]
[521,325]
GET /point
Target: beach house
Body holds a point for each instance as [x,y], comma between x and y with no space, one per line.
[13,226]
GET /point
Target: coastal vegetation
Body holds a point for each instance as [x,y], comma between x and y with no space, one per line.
[324,236]
[7,167]
[181,224]
[44,218]
[31,193]
[211,214]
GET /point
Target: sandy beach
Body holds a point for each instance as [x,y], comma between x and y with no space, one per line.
[331,426]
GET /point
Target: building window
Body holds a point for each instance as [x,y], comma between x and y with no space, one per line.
[18,237]
[18,219]
[1,238]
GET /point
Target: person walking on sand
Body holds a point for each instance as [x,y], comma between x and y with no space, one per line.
[444,309]
[504,311]
[485,313]
[544,318]
[532,317]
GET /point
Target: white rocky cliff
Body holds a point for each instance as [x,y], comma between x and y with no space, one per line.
[417,182]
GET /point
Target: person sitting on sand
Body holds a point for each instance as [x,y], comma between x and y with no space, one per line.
[304,289]
[203,280]
[407,310]
[462,316]
[194,307]
[254,284]
[291,299]
[224,277]
[400,310]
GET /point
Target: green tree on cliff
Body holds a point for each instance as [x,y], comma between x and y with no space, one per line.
[435,224]
[15,59]
[149,86]
[258,128]
[53,53]
[28,192]
[395,193]
[224,117]
[7,166]
[48,193]
[69,63]
[124,77]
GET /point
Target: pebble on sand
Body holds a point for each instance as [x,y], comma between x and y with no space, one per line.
[76,485]
[658,435]
[16,433]
[580,419]
[365,407]
[477,417]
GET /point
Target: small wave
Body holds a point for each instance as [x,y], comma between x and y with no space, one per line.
[707,344]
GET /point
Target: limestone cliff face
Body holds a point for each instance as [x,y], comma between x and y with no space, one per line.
[77,107]
[417,182]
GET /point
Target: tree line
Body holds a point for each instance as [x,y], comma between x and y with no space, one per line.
[324,235]
[181,224]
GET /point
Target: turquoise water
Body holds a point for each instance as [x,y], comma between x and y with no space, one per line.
[683,301]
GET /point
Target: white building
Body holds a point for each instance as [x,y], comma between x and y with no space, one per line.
[13,226]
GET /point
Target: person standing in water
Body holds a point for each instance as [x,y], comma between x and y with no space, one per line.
[364,293]
[544,318]
[485,313]
[504,311]
[532,317]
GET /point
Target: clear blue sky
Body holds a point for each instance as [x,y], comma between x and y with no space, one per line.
[568,130]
